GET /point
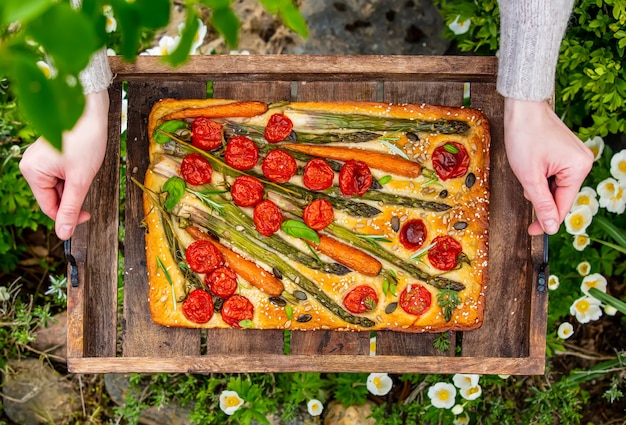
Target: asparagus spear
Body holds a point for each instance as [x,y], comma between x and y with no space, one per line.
[256,133]
[391,199]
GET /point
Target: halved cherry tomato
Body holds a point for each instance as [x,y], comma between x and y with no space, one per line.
[451,161]
[279,166]
[318,175]
[415,299]
[318,214]
[413,234]
[203,257]
[361,299]
[445,252]
[222,282]
[195,169]
[278,128]
[355,178]
[267,217]
[241,153]
[246,191]
[235,309]
[198,307]
[206,134]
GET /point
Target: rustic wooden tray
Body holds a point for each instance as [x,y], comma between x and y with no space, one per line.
[511,340]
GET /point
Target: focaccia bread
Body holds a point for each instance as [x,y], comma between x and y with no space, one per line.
[317,215]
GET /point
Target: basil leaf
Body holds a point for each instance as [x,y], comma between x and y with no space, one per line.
[175,187]
[451,148]
[385,179]
[246,323]
[167,127]
[298,229]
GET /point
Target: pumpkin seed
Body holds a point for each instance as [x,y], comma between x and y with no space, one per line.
[278,301]
[470,180]
[391,308]
[460,225]
[300,295]
[412,137]
[277,273]
[395,223]
[443,194]
[304,318]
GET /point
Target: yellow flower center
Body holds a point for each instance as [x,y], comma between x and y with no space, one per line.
[583,200]
[577,221]
[377,382]
[622,166]
[592,283]
[232,401]
[583,306]
[472,390]
[443,395]
[610,187]
[584,269]
[595,150]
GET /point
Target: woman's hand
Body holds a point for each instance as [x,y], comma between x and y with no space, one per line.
[60,180]
[539,146]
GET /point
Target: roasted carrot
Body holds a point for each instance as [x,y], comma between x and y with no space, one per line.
[347,255]
[248,270]
[225,110]
[378,160]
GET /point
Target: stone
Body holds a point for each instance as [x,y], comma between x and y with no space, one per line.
[52,340]
[351,415]
[34,393]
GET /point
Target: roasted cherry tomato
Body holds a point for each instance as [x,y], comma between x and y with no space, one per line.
[267,217]
[445,252]
[318,175]
[198,307]
[195,169]
[450,160]
[361,299]
[355,178]
[413,234]
[206,134]
[241,153]
[246,191]
[415,299]
[318,214]
[235,309]
[279,166]
[203,257]
[278,128]
[222,282]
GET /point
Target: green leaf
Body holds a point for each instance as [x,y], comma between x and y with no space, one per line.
[612,230]
[384,180]
[175,187]
[154,13]
[298,229]
[181,53]
[66,35]
[129,27]
[289,312]
[227,24]
[246,323]
[450,148]
[167,127]
[293,19]
[20,10]
[608,299]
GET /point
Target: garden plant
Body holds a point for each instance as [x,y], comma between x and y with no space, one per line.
[585,377]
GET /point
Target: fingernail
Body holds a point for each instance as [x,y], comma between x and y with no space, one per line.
[65,231]
[550,226]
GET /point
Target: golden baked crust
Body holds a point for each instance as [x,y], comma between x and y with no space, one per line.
[466,221]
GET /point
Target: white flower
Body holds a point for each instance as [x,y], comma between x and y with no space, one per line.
[583,268]
[230,402]
[460,27]
[442,395]
[596,145]
[618,165]
[462,380]
[595,280]
[4,294]
[462,420]
[111,52]
[609,310]
[457,409]
[586,309]
[315,407]
[198,38]
[471,393]
[577,220]
[565,330]
[612,195]
[48,70]
[504,376]
[379,383]
[166,46]
[111,24]
[124,115]
[553,282]
[373,346]
[587,196]
[581,242]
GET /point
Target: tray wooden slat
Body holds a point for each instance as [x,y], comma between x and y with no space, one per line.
[512,339]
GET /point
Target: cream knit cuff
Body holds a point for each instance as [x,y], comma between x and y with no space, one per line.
[97,75]
[531,32]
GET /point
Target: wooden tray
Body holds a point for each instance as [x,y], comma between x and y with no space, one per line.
[511,340]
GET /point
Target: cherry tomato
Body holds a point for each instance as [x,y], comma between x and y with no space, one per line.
[203,257]
[267,217]
[278,128]
[206,134]
[235,309]
[361,299]
[279,166]
[451,161]
[318,175]
[413,234]
[246,191]
[355,178]
[241,153]
[445,252]
[222,282]
[195,169]
[318,214]
[198,307]
[415,299]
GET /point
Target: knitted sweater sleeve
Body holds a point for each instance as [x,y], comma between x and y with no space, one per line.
[531,32]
